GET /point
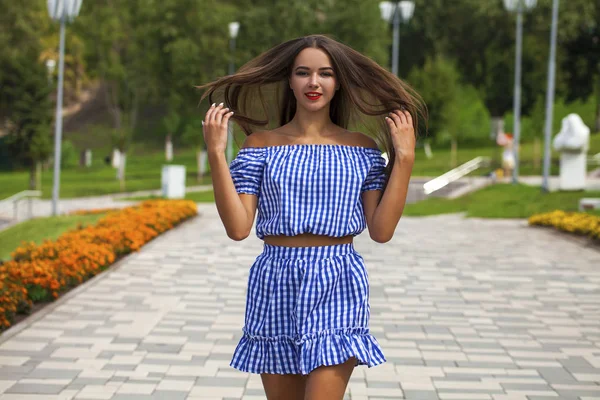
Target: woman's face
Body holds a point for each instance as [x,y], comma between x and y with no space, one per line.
[313,79]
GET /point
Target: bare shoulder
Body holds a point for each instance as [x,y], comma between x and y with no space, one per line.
[257,139]
[362,140]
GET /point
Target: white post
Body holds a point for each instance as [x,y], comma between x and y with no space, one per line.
[58,127]
[517,94]
[396,39]
[550,97]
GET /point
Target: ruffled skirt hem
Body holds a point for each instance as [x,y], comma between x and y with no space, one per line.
[289,355]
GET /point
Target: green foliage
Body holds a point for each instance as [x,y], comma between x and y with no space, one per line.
[25,95]
[474,116]
[438,83]
[37,293]
[172,122]
[192,134]
[69,156]
[121,139]
[534,124]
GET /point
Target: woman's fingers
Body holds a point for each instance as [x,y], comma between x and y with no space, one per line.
[396,119]
[218,115]
[226,117]
[409,119]
[401,116]
[208,116]
[215,113]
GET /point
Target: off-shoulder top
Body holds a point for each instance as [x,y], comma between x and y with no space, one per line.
[308,188]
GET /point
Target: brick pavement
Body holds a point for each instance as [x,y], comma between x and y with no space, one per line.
[463,308]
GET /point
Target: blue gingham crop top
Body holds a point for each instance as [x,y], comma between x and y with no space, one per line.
[308,188]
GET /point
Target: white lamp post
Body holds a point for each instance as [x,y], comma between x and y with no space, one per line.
[394,12]
[550,95]
[234,27]
[62,11]
[518,6]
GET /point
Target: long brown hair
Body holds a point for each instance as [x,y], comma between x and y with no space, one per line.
[366,90]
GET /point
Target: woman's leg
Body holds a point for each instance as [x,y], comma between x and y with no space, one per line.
[283,387]
[329,383]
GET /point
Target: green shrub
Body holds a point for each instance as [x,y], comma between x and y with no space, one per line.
[69,156]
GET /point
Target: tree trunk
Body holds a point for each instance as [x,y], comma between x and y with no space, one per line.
[453,153]
[427,149]
[32,176]
[201,162]
[536,153]
[121,171]
[38,175]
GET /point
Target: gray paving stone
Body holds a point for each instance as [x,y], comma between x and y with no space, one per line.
[481,306]
[168,395]
[42,373]
[20,388]
[227,382]
[420,395]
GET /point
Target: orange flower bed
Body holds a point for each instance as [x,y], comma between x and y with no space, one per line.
[43,272]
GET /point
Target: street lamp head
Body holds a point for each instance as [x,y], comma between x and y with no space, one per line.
[234,27]
[387,10]
[407,9]
[511,5]
[64,10]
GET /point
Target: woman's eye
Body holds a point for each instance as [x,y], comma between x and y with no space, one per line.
[302,73]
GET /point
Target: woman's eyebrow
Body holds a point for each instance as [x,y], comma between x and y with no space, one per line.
[322,68]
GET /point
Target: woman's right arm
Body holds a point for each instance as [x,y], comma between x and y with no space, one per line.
[236,211]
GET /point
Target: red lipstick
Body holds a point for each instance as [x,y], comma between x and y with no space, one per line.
[313,95]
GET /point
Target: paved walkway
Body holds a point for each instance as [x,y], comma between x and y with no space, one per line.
[463,308]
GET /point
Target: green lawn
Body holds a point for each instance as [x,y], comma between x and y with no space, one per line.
[38,229]
[142,173]
[501,201]
[144,169]
[198,197]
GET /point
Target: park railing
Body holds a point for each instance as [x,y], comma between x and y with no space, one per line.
[455,174]
[9,207]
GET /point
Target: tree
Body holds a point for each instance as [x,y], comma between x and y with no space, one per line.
[438,82]
[25,87]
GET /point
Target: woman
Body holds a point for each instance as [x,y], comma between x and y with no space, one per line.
[316,185]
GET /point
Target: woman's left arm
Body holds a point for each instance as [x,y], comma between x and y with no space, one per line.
[383,211]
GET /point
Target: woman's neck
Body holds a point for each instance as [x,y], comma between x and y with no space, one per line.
[312,124]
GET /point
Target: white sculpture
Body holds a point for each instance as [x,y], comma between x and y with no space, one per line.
[573,143]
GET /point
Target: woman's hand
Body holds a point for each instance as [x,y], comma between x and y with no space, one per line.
[400,125]
[214,128]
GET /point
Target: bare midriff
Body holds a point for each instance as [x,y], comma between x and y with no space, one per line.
[306,240]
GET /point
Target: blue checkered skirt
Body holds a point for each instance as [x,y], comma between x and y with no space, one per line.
[306,307]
